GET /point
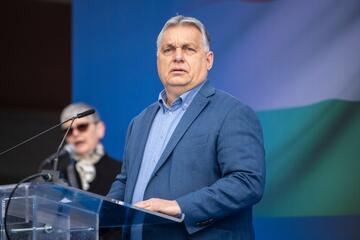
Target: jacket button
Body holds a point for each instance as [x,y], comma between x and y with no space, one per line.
[205,222]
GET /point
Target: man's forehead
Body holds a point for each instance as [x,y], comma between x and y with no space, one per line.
[181,31]
[184,33]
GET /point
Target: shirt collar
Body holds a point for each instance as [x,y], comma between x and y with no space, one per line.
[183,101]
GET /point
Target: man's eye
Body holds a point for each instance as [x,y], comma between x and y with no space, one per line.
[190,49]
[167,50]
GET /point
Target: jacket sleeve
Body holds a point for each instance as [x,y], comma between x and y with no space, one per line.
[241,158]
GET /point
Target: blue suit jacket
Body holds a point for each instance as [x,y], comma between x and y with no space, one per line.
[213,166]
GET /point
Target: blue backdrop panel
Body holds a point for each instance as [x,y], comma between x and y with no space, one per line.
[114,60]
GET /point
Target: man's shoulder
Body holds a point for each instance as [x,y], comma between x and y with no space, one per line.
[226,100]
[218,95]
[226,95]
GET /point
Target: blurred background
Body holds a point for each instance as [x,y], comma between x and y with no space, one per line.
[35,82]
[297,63]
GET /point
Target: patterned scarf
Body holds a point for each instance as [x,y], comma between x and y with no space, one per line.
[85,165]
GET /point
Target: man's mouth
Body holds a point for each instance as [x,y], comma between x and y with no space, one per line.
[178,70]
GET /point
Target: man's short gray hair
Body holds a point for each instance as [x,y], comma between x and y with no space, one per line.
[182,20]
[75,108]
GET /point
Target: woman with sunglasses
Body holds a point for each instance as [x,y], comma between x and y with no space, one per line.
[88,167]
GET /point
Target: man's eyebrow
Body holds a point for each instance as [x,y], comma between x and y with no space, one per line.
[171,45]
[188,45]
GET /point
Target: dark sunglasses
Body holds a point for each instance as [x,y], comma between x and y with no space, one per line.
[80,128]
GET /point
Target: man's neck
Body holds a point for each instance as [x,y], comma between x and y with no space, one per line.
[170,98]
[172,93]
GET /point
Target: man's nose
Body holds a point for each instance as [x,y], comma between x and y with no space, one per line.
[179,55]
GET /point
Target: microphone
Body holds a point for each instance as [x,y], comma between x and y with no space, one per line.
[79,115]
[85,113]
[68,149]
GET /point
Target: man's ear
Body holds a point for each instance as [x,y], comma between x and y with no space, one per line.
[210,60]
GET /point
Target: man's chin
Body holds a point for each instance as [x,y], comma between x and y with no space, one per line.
[178,82]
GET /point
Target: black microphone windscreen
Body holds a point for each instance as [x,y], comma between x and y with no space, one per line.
[85,113]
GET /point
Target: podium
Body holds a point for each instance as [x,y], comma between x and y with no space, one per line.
[52,211]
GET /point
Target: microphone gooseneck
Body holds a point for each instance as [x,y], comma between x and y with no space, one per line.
[31,138]
[79,115]
[56,159]
[68,149]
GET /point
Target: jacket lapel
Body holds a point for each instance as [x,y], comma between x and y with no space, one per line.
[143,133]
[199,103]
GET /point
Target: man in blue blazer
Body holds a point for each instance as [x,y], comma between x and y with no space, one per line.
[197,151]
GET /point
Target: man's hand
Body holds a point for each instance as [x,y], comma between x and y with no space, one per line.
[169,207]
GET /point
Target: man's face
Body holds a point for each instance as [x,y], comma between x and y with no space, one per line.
[182,60]
[85,135]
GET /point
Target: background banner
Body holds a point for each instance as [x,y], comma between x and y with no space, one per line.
[297,63]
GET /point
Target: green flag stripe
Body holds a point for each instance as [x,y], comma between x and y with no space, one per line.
[313,160]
